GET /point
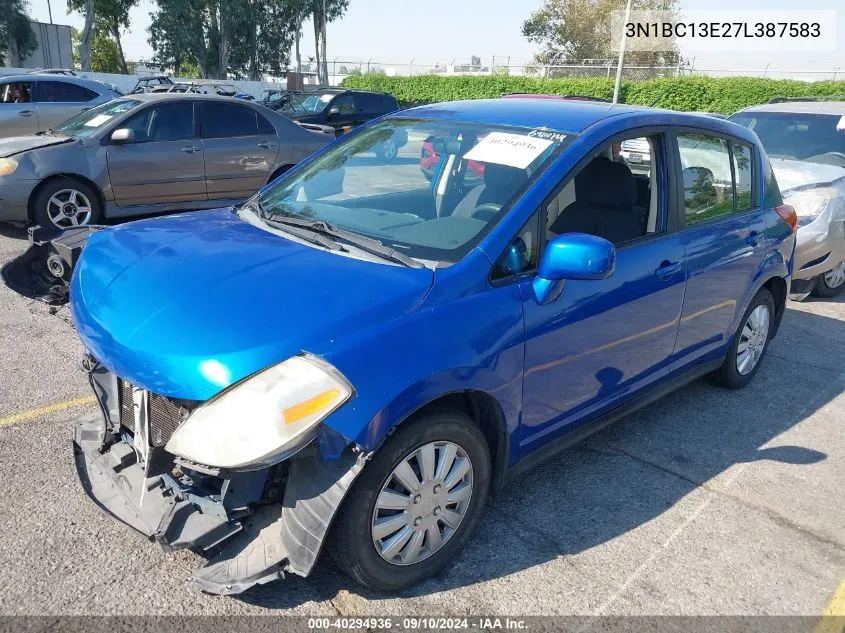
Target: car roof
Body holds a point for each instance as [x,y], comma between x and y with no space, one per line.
[571,116]
[800,107]
[557,114]
[93,84]
[160,96]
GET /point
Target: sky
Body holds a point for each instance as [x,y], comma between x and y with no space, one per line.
[442,31]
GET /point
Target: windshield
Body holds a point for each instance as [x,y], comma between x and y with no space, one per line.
[815,138]
[86,123]
[433,199]
[309,104]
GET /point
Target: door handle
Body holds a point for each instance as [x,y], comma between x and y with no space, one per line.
[266,145]
[26,113]
[667,269]
[190,149]
[754,238]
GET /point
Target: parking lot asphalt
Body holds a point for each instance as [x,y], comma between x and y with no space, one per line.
[706,502]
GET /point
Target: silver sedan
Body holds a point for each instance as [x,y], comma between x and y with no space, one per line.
[148,154]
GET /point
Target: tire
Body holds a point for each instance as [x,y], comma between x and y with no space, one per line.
[387,150]
[831,283]
[281,170]
[353,542]
[732,374]
[64,203]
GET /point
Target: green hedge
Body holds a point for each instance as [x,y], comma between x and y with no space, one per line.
[707,94]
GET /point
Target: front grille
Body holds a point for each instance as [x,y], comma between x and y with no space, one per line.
[165,414]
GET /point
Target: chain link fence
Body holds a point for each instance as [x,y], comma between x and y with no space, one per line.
[339,68]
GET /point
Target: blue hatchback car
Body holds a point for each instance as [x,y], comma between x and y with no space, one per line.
[357,355]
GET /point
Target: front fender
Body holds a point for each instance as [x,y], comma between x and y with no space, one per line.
[469,338]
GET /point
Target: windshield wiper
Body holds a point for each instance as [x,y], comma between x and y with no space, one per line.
[366,244]
[302,231]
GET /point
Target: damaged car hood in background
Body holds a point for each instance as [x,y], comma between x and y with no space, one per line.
[792,174]
[186,305]
[17,144]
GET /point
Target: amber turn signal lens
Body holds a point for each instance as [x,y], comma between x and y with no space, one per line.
[788,215]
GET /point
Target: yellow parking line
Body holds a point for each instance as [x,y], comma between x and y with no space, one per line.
[23,416]
[833,618]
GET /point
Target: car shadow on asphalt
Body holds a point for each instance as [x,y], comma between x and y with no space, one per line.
[630,473]
[12,231]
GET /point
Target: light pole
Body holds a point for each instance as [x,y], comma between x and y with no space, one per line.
[621,55]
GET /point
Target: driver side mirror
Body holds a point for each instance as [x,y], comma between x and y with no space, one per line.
[574,256]
[334,111]
[122,135]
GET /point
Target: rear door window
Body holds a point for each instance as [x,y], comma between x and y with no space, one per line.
[229,120]
[743,176]
[707,177]
[62,92]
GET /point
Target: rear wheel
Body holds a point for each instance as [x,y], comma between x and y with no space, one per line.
[64,203]
[750,343]
[831,283]
[416,503]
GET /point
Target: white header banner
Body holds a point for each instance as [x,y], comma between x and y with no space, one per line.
[726,30]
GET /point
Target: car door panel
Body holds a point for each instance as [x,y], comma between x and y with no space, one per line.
[601,341]
[156,170]
[18,118]
[238,167]
[240,150]
[722,259]
[723,253]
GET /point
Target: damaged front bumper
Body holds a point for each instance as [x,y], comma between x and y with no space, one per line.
[256,525]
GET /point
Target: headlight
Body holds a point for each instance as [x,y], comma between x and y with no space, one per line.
[810,204]
[8,166]
[262,417]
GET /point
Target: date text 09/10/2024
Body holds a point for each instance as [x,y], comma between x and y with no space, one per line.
[418,623]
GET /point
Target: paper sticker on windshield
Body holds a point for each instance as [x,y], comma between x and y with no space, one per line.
[513,150]
[98,120]
[841,125]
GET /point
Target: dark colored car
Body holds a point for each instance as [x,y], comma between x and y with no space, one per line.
[344,110]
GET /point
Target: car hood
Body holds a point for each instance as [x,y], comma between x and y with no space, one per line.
[794,174]
[17,144]
[186,305]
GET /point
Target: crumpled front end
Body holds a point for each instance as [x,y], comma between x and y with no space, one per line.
[256,525]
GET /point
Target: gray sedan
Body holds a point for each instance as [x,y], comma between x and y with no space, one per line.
[148,154]
[33,102]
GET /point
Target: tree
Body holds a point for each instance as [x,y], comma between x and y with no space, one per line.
[106,18]
[570,31]
[323,12]
[16,35]
[104,55]
[241,37]
[475,62]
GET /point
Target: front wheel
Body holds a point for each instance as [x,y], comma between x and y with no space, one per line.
[750,343]
[831,283]
[64,203]
[416,504]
